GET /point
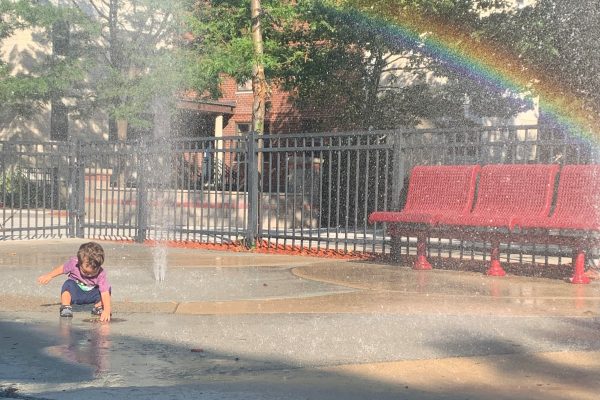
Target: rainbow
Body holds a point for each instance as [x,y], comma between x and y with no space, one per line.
[492,66]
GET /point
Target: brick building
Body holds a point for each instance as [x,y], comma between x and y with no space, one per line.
[231,114]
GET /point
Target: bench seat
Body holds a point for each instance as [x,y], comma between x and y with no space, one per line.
[395,217]
[560,223]
[434,191]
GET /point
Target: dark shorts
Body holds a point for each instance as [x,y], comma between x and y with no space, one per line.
[79,296]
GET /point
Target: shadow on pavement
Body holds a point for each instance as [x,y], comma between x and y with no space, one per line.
[63,361]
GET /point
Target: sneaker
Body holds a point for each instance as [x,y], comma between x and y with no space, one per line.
[97,310]
[66,311]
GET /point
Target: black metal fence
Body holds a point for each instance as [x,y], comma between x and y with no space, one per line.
[307,190]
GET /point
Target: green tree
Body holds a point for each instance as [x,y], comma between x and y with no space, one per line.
[28,90]
[222,37]
[142,60]
[557,43]
[122,56]
[347,60]
[372,60]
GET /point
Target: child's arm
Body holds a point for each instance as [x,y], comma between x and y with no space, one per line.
[105,316]
[44,279]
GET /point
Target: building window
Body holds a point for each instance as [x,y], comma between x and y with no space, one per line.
[244,87]
[242,128]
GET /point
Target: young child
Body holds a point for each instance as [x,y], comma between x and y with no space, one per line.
[86,282]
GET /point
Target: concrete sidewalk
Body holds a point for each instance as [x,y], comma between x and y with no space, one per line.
[219,282]
[225,325]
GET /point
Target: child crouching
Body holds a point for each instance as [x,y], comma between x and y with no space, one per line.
[86,282]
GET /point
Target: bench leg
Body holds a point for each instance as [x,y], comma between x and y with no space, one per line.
[421,262]
[495,268]
[579,268]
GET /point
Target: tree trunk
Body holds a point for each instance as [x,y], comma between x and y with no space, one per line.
[113,9]
[259,82]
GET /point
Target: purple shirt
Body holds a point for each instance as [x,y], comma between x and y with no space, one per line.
[71,269]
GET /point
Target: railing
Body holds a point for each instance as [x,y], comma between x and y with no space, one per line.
[325,185]
[312,191]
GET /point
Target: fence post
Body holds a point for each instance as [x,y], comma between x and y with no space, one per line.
[72,190]
[81,193]
[398,165]
[77,192]
[141,200]
[397,186]
[252,169]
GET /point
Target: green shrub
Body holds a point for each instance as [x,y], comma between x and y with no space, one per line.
[19,190]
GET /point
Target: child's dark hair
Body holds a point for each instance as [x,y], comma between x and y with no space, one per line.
[93,253]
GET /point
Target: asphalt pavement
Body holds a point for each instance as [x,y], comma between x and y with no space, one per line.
[227,325]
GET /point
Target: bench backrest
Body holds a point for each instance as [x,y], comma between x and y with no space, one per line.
[435,188]
[578,194]
[516,189]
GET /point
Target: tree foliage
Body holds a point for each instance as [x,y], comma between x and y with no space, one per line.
[221,31]
[121,55]
[381,48]
[29,89]
[142,57]
[358,64]
[350,62]
[557,42]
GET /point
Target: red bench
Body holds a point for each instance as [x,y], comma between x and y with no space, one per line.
[577,208]
[433,191]
[508,197]
[506,193]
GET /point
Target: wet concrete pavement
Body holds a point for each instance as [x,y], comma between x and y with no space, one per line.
[250,326]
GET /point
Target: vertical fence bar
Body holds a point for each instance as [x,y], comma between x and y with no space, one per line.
[320,193]
[366,193]
[398,165]
[73,160]
[20,199]
[211,208]
[3,185]
[338,174]
[278,190]
[253,190]
[142,195]
[286,187]
[225,203]
[80,210]
[300,207]
[294,189]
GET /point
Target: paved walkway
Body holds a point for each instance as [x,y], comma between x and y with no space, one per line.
[243,325]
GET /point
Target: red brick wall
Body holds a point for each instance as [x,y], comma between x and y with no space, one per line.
[281,115]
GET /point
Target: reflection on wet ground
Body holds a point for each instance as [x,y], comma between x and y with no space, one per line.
[368,355]
[88,347]
[97,320]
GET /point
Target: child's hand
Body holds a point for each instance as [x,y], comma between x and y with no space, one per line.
[105,316]
[44,279]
